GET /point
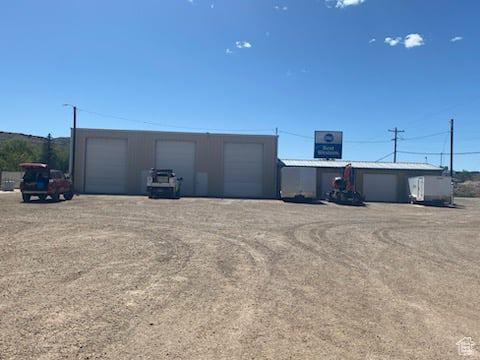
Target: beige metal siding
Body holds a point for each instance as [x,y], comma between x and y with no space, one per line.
[209,157]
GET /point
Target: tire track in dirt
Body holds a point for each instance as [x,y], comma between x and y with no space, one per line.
[384,235]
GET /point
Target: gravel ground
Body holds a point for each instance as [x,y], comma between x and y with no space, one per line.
[120,277]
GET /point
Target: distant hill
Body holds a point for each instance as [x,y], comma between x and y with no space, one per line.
[17,148]
[34,140]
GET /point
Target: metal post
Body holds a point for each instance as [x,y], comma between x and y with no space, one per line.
[451,148]
[72,175]
[73,144]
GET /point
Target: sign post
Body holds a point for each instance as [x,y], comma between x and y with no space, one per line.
[328,144]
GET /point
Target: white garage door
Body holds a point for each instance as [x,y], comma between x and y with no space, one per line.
[243,170]
[327,180]
[180,157]
[106,166]
[378,187]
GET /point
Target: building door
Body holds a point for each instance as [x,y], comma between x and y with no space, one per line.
[180,157]
[106,166]
[380,187]
[201,185]
[243,170]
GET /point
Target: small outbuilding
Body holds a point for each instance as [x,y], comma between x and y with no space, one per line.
[215,165]
[377,181]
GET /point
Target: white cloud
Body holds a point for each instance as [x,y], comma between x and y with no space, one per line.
[413,40]
[282,8]
[243,44]
[393,41]
[228,51]
[344,3]
[457,38]
[372,41]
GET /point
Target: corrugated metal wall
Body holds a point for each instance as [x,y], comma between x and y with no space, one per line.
[402,178]
[208,157]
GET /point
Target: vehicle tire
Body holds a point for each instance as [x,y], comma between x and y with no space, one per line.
[55,197]
[42,197]
[68,195]
[26,197]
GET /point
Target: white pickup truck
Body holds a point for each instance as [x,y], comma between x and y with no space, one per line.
[163,183]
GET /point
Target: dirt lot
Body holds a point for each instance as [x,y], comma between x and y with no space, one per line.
[127,277]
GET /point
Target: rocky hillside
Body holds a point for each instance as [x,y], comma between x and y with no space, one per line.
[468,189]
[62,142]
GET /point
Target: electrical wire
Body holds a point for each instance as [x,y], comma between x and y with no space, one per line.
[291,134]
[297,135]
[442,153]
[350,142]
[424,136]
[383,158]
[169,125]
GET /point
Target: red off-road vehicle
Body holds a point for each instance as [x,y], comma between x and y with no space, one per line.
[39,180]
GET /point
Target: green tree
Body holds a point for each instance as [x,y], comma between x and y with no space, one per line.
[60,158]
[48,155]
[14,152]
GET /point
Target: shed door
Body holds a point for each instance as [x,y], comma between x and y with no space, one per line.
[243,170]
[106,166]
[327,180]
[180,157]
[380,187]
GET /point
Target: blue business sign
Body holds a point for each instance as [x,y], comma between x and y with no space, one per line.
[328,144]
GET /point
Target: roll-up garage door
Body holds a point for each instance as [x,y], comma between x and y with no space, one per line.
[243,170]
[106,166]
[380,187]
[180,157]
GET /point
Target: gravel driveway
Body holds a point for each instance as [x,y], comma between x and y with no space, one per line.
[120,277]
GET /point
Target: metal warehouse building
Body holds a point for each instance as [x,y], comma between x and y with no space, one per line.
[216,165]
[384,182]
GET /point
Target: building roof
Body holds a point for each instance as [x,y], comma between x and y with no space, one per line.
[194,133]
[359,165]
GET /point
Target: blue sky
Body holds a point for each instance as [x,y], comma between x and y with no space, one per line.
[299,65]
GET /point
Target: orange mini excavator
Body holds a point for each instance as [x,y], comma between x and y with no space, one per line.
[343,189]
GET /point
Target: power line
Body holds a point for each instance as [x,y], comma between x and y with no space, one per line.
[348,141]
[169,125]
[441,111]
[440,153]
[424,136]
[297,135]
[383,158]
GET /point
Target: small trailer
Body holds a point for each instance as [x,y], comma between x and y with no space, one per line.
[430,189]
[298,184]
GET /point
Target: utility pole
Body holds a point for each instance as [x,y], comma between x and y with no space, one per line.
[74,136]
[451,148]
[395,140]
